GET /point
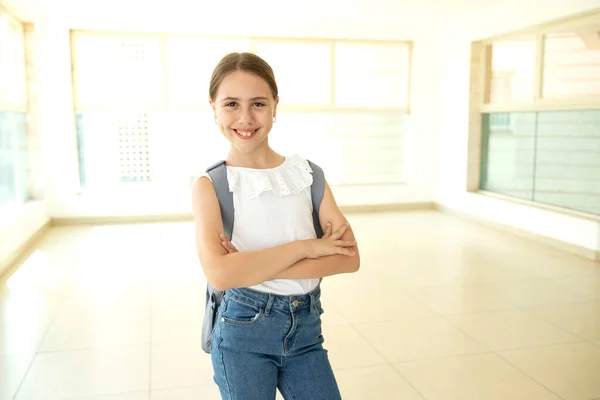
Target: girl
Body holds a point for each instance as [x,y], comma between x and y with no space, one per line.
[268,330]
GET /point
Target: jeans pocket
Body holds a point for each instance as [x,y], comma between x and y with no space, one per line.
[237,313]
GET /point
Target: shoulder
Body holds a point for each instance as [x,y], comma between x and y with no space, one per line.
[197,176]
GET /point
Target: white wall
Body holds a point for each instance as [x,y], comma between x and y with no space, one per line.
[453,124]
[17,226]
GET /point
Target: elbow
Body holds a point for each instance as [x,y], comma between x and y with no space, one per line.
[219,282]
[215,276]
[354,264]
[219,285]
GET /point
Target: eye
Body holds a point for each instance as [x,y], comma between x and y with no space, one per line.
[231,104]
[259,104]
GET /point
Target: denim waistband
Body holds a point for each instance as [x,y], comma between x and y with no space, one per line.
[269,301]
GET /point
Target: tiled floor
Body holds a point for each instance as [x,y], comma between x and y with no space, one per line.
[441,309]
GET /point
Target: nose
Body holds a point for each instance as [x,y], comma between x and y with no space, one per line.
[246,115]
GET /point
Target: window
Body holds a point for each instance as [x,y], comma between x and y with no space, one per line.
[572,64]
[14,163]
[302,71]
[343,104]
[512,71]
[369,75]
[546,151]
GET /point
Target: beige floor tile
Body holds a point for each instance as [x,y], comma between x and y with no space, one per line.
[176,326]
[412,339]
[331,316]
[180,365]
[513,329]
[569,370]
[205,392]
[88,330]
[582,320]
[87,373]
[12,371]
[24,319]
[347,349]
[122,396]
[536,293]
[460,300]
[380,305]
[432,264]
[380,382]
[587,284]
[472,377]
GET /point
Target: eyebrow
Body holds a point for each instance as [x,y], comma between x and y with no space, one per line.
[252,99]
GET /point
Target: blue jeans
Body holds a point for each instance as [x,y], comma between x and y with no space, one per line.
[263,341]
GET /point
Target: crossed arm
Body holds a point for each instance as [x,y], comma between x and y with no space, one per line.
[225,269]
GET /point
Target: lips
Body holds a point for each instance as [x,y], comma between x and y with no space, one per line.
[245,133]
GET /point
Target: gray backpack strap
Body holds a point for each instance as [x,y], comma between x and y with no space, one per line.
[218,174]
[317,190]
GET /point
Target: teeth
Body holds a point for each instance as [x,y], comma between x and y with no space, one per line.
[246,134]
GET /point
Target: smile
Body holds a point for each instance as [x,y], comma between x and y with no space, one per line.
[245,133]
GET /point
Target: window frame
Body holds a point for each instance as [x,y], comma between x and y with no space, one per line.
[254,41]
[330,108]
[480,93]
[586,21]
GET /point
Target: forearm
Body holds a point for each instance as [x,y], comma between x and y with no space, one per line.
[321,267]
[242,269]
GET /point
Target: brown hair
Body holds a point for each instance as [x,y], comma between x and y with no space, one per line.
[248,62]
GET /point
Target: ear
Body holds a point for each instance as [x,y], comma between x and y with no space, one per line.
[213,106]
[276,102]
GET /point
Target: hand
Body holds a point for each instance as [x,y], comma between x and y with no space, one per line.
[229,248]
[330,244]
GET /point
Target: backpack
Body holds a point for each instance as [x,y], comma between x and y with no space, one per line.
[218,174]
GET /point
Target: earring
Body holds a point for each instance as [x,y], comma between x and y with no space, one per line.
[216,122]
[274,119]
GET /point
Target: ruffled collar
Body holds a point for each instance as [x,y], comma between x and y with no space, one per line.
[289,178]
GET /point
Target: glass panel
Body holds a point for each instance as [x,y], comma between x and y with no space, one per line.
[14,165]
[371,147]
[371,75]
[568,160]
[302,71]
[351,148]
[513,71]
[174,146]
[13,89]
[571,65]
[508,153]
[550,157]
[191,61]
[119,71]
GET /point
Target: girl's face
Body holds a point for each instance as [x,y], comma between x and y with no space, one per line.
[244,110]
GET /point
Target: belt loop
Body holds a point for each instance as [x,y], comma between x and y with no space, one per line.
[269,304]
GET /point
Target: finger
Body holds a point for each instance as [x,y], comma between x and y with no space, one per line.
[345,243]
[340,232]
[327,232]
[346,252]
[226,247]
[230,247]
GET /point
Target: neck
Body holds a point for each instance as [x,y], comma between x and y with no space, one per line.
[262,158]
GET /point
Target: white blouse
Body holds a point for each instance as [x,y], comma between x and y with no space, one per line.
[273,207]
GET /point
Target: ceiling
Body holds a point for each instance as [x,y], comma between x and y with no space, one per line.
[82,12]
